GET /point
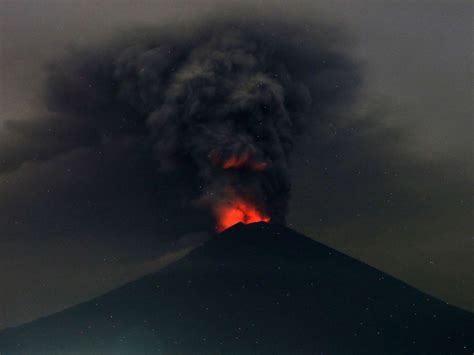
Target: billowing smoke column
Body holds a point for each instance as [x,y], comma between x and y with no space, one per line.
[219,105]
[225,113]
[231,109]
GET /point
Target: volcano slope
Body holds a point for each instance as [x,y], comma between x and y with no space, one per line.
[254,289]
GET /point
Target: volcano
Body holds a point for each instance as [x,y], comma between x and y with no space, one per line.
[254,289]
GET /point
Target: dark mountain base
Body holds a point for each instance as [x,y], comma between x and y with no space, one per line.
[255,289]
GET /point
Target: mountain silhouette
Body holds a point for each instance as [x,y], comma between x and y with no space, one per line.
[254,289]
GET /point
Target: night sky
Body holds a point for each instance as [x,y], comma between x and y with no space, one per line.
[390,183]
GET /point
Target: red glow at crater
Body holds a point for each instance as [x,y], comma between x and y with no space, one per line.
[235,211]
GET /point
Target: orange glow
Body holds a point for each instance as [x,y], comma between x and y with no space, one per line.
[241,161]
[238,211]
[236,162]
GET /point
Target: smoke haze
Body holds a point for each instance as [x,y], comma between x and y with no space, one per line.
[189,102]
[105,166]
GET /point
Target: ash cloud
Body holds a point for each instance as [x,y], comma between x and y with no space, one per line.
[179,104]
[86,171]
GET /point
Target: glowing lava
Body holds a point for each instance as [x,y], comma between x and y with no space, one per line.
[240,161]
[243,162]
[236,162]
[237,211]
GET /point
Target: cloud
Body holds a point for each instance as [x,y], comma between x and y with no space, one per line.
[182,103]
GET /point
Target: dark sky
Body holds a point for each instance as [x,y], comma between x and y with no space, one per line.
[396,194]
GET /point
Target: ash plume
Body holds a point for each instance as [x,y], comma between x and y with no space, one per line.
[218,106]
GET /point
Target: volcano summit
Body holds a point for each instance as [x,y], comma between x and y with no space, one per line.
[254,289]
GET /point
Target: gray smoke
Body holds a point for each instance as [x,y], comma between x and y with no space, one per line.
[218,106]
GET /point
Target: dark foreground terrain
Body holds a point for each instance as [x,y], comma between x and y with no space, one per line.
[254,289]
